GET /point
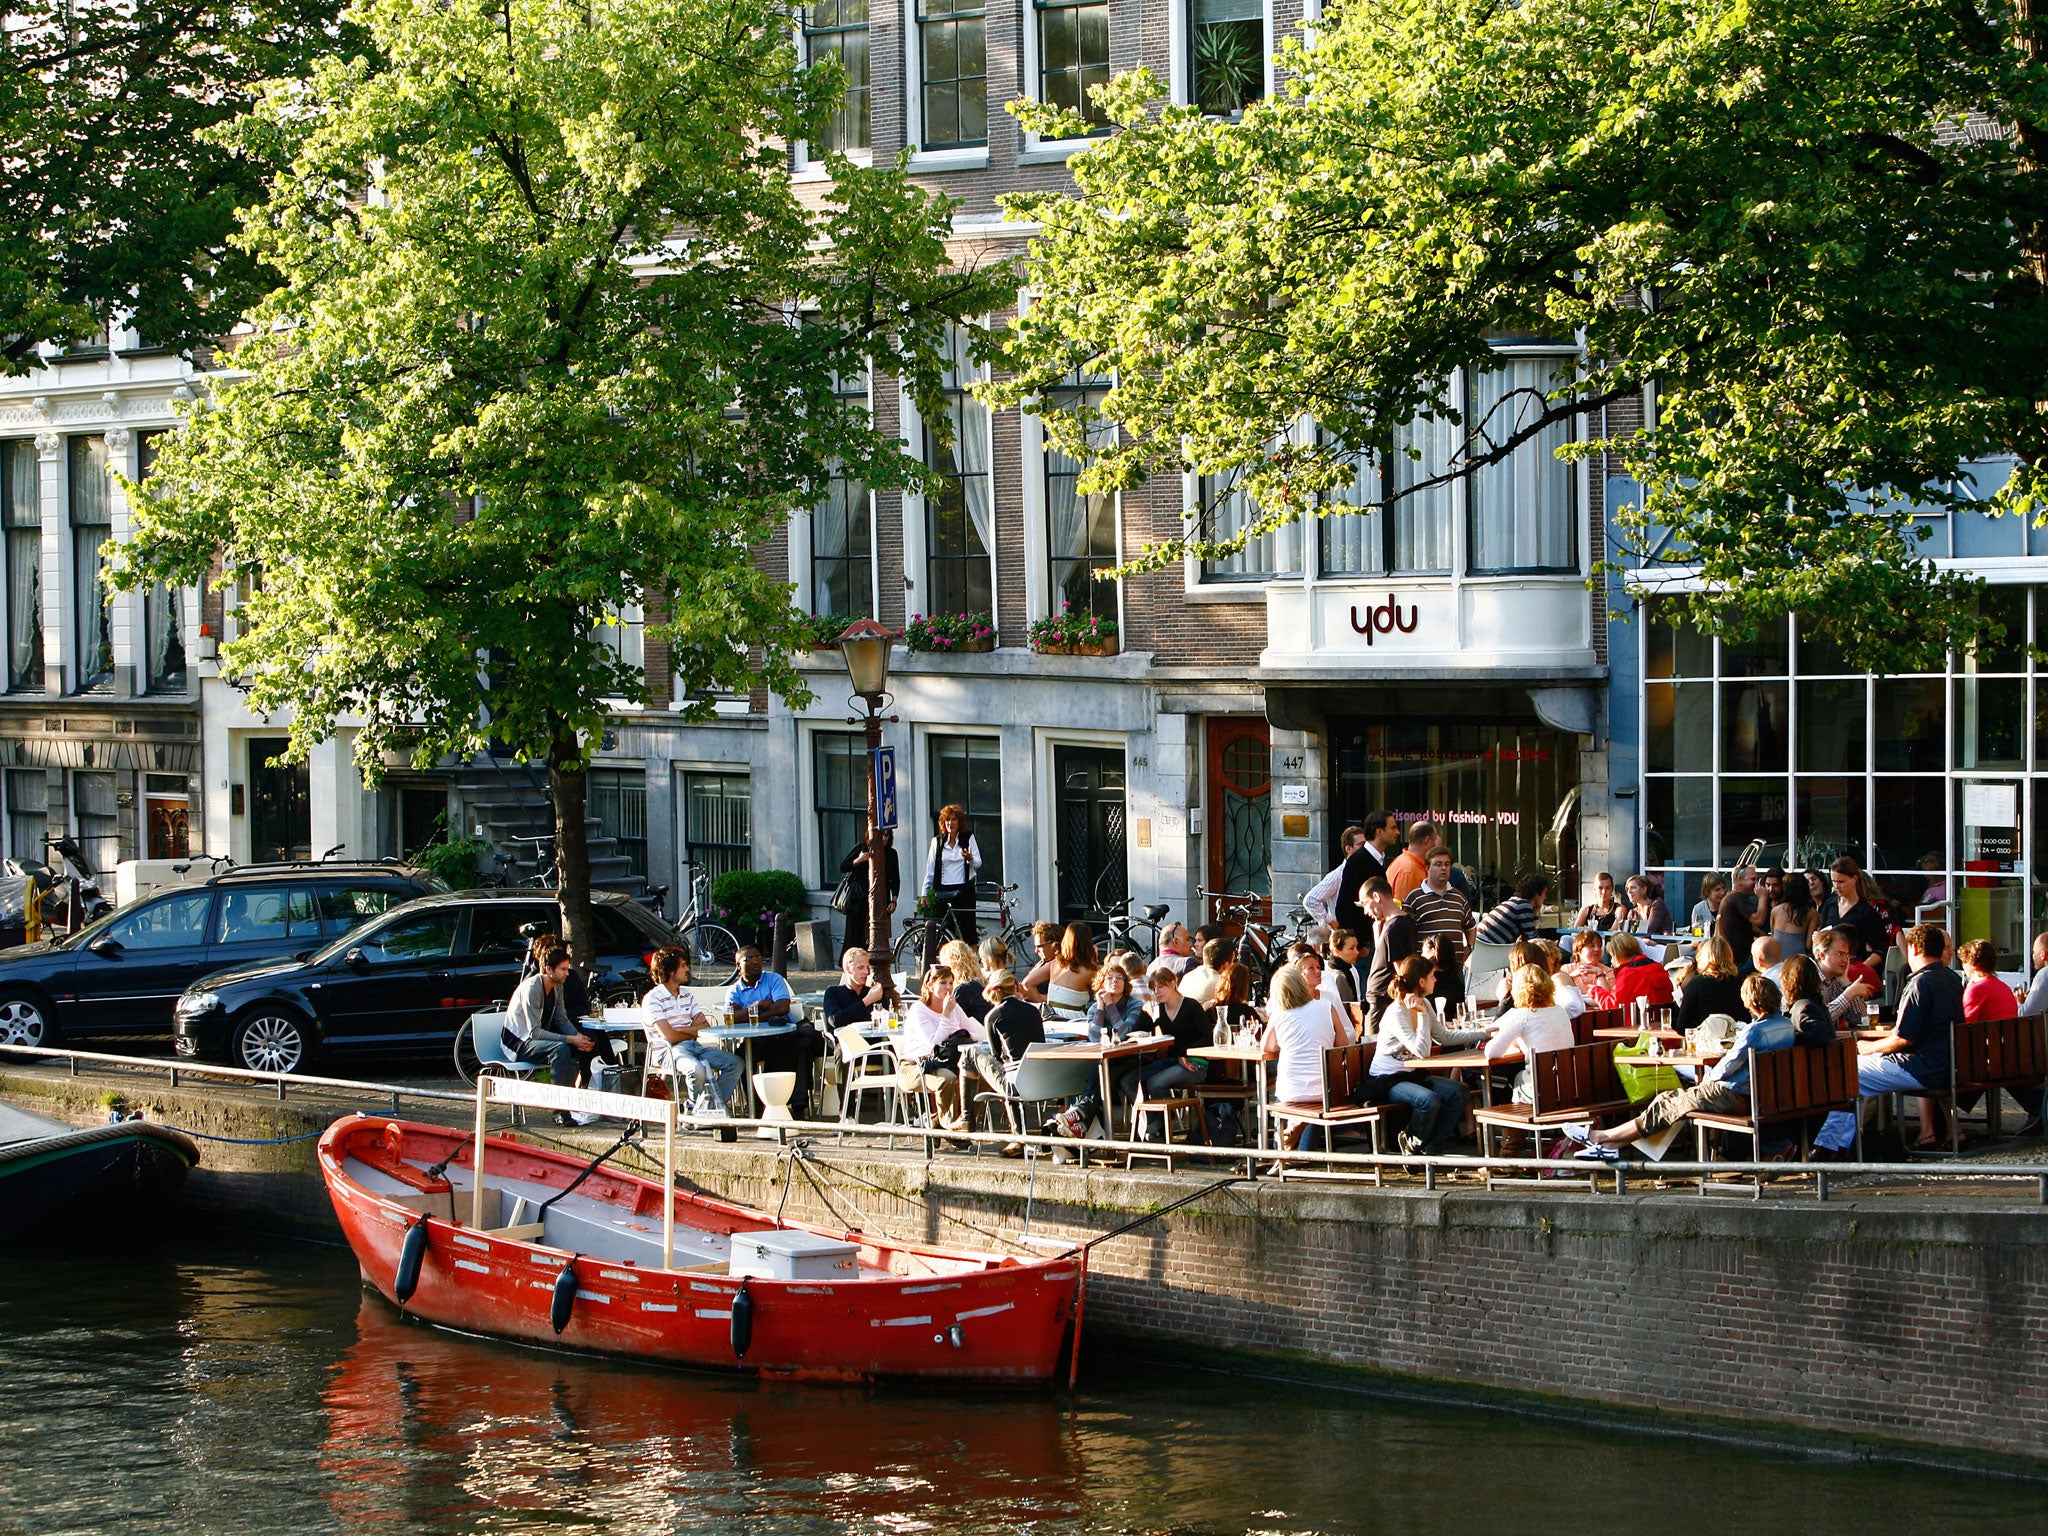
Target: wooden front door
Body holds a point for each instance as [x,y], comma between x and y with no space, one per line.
[1239,792]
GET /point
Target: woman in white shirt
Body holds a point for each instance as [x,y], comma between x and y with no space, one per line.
[1537,1022]
[940,1043]
[1410,1032]
[673,1022]
[951,866]
[1300,1026]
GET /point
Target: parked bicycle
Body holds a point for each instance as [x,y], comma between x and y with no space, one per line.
[1139,933]
[1260,947]
[910,948]
[713,950]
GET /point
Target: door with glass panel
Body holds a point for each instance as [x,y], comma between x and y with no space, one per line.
[1240,799]
[1089,854]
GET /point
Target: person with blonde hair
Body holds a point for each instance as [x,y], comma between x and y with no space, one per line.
[1715,986]
[959,957]
[1537,1022]
[937,1036]
[1116,1010]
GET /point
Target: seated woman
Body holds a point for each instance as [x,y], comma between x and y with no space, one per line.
[1716,986]
[1013,1025]
[961,958]
[1566,995]
[1537,1022]
[859,991]
[1410,1031]
[1300,1026]
[1236,1018]
[673,1023]
[1116,1012]
[1589,971]
[1636,975]
[1066,977]
[937,1040]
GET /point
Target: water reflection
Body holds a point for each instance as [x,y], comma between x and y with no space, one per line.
[620,1447]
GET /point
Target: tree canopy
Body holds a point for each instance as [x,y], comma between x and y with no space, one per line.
[113,200]
[555,339]
[1816,231]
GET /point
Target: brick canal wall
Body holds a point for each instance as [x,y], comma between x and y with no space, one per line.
[1913,1322]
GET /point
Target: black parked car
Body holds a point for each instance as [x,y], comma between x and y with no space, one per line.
[122,974]
[405,982]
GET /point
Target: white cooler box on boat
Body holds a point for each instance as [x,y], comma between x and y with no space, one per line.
[793,1256]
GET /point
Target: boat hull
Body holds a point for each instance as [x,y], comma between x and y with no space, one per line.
[117,1173]
[939,1315]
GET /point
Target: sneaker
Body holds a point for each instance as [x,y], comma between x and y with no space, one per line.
[1068,1122]
[1410,1143]
[1593,1154]
[1582,1133]
[565,1119]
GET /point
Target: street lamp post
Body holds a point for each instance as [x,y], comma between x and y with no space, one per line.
[865,648]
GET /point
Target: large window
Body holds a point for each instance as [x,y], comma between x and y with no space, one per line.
[1523,511]
[1225,511]
[952,47]
[92,524]
[28,812]
[839,29]
[163,625]
[618,799]
[97,819]
[960,516]
[967,771]
[842,535]
[1780,740]
[1398,528]
[21,517]
[839,766]
[1227,54]
[1073,54]
[718,822]
[1080,530]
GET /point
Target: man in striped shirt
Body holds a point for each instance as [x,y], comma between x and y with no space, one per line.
[1441,913]
[1515,918]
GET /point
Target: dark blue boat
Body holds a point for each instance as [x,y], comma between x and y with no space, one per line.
[51,1172]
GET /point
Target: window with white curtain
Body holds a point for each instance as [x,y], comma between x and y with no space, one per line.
[960,516]
[1398,529]
[28,813]
[1226,510]
[21,516]
[163,621]
[842,534]
[624,634]
[839,29]
[1523,512]
[1080,530]
[92,524]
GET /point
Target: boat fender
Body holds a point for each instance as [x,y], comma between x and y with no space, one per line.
[410,1257]
[742,1321]
[565,1296]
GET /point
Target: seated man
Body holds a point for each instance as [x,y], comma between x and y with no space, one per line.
[1766,956]
[673,1021]
[1725,1088]
[1913,1058]
[762,997]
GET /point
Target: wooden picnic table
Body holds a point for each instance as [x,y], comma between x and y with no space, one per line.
[1253,1055]
[1102,1053]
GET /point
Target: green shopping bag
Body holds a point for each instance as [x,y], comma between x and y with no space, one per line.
[1643,1076]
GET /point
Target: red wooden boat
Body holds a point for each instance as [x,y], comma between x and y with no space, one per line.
[589,1271]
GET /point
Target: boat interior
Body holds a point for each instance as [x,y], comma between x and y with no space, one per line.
[611,1219]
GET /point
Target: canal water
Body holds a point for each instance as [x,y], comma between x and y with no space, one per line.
[222,1384]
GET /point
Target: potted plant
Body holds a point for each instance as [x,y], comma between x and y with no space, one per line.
[951,632]
[748,901]
[823,630]
[1074,632]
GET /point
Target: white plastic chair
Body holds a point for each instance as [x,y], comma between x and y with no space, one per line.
[865,1067]
[487,1034]
[1038,1081]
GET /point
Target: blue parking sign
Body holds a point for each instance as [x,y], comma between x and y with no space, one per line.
[885,788]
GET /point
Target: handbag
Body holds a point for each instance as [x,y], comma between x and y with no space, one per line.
[1642,1075]
[842,898]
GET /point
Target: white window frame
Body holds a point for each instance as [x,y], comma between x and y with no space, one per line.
[1035,150]
[968,157]
[801,161]
[1181,49]
[1038,528]
[916,515]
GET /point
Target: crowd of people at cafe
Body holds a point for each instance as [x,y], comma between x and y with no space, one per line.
[1775,958]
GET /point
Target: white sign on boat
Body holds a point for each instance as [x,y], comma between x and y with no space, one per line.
[492,1089]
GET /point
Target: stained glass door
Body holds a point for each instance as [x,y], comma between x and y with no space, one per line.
[1240,798]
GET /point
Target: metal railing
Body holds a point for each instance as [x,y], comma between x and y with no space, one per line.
[396,1092]
[1256,1163]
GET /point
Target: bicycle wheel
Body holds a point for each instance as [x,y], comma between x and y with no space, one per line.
[713,951]
[465,1055]
[908,955]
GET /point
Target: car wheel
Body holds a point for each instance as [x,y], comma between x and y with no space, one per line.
[26,1020]
[272,1039]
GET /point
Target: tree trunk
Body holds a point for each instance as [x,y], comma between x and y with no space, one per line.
[567,788]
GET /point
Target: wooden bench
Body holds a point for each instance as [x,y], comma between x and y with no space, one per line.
[1987,1057]
[1570,1085]
[1789,1087]
[1345,1069]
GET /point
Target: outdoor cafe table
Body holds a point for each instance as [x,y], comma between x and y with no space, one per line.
[1249,1053]
[1102,1053]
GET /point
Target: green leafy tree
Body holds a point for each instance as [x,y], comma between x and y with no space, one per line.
[1818,231]
[113,201]
[555,338]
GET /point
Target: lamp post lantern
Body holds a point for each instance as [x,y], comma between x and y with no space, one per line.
[865,647]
